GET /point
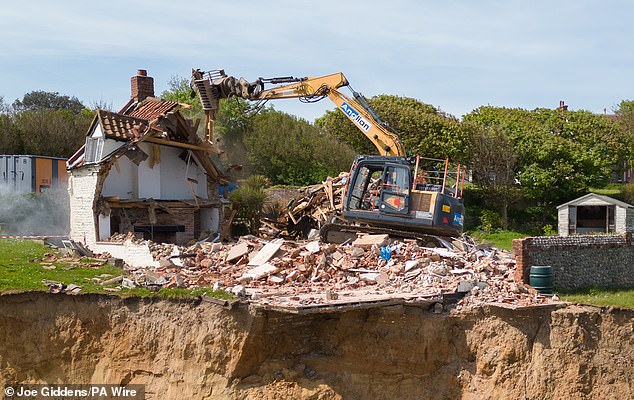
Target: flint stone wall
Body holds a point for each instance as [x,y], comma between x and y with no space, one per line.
[578,261]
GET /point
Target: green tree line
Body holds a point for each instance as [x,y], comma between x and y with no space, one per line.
[43,123]
[522,163]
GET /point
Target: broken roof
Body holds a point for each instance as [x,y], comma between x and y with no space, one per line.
[149,109]
[152,120]
[118,126]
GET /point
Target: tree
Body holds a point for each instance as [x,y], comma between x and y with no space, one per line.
[625,115]
[493,164]
[248,200]
[56,133]
[559,153]
[10,140]
[4,107]
[40,100]
[423,129]
[291,151]
[179,91]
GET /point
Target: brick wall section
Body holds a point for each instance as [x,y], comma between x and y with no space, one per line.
[187,216]
[81,188]
[183,216]
[578,261]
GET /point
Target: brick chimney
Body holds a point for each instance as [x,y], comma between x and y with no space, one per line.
[563,106]
[142,86]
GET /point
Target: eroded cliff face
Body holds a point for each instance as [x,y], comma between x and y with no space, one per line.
[193,350]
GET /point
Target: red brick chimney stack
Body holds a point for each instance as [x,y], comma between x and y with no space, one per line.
[563,106]
[142,86]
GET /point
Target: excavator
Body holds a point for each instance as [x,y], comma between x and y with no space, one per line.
[403,196]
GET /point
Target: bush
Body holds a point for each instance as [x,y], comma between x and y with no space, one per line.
[549,230]
[248,200]
[627,191]
[490,221]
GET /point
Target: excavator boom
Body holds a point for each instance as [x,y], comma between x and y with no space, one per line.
[385,193]
[211,89]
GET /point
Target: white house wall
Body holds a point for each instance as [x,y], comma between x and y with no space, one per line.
[209,219]
[620,215]
[122,181]
[82,184]
[166,181]
[97,132]
[174,174]
[149,178]
[109,146]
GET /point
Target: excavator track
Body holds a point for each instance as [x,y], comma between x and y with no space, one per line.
[340,233]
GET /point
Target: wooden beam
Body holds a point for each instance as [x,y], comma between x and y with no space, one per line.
[176,144]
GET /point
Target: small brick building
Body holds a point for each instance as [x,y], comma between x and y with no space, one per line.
[143,170]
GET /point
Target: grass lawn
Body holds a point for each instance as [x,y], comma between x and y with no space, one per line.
[24,264]
[601,297]
[501,239]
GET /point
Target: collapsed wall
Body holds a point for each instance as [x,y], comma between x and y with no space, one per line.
[198,350]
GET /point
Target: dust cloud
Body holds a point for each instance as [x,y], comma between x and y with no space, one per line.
[34,213]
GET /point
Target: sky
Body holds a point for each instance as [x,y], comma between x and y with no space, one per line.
[455,55]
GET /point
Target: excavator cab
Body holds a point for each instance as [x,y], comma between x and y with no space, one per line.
[382,191]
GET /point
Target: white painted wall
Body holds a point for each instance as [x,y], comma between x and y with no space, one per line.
[149,178]
[82,183]
[562,221]
[122,181]
[135,255]
[110,145]
[174,174]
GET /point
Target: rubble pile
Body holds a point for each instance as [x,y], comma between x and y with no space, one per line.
[316,205]
[286,272]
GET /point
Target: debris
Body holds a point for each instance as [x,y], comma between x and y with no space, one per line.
[260,272]
[128,283]
[237,251]
[116,279]
[313,247]
[72,288]
[267,252]
[286,272]
[367,241]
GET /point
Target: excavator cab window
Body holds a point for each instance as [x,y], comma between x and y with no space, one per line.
[395,192]
[380,187]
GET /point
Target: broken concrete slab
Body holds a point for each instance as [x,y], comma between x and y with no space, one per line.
[411,264]
[259,272]
[313,247]
[128,283]
[238,251]
[367,241]
[266,252]
[111,281]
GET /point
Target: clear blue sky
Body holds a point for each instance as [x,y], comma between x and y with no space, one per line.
[455,55]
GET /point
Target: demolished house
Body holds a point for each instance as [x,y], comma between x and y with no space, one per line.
[143,170]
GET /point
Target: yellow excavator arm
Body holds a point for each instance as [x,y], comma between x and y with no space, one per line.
[215,84]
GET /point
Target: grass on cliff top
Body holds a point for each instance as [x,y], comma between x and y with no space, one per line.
[23,268]
[500,239]
[601,297]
